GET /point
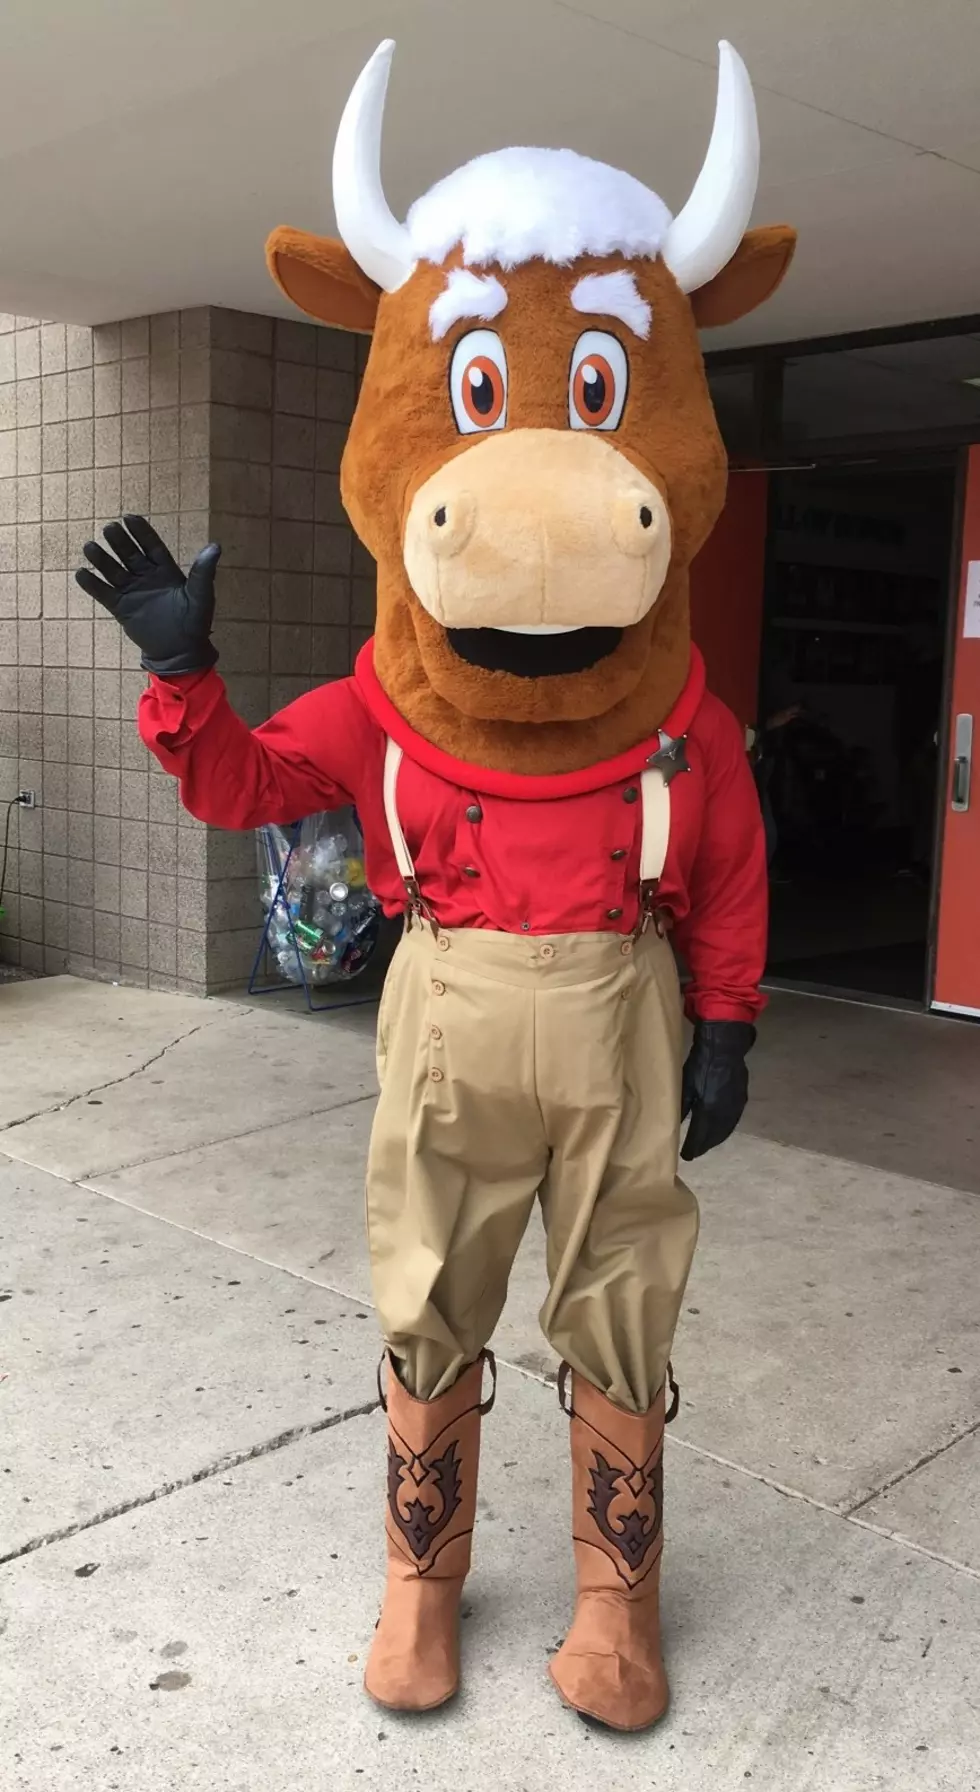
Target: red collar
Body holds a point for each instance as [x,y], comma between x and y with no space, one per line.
[485,782]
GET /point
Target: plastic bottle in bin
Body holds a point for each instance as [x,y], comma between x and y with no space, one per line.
[335,918]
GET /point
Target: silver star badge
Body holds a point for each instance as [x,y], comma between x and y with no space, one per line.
[670,758]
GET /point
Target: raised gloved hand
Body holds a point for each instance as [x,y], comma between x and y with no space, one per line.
[716,1083]
[169,617]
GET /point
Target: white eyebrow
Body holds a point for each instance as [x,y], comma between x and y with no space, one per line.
[614,295]
[465,295]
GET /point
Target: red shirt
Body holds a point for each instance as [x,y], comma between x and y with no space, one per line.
[547,852]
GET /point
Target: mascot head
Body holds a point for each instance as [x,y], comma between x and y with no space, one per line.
[534,460]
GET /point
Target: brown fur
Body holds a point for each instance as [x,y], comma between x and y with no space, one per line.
[307,267]
[403,431]
[759,264]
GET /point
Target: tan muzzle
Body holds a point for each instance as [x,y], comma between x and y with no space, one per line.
[538,529]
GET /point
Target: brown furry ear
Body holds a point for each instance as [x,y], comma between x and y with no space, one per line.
[752,276]
[321,276]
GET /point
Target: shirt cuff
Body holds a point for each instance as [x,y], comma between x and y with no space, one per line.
[699,1006]
[172,709]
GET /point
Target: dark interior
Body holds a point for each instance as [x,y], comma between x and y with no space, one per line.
[851,690]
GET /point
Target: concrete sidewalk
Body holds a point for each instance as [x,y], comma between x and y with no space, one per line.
[191,1455]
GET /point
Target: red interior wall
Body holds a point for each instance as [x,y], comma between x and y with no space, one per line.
[726,595]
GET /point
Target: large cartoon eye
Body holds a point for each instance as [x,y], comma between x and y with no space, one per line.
[478,382]
[597,382]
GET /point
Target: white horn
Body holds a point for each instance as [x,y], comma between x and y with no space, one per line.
[705,235]
[378,243]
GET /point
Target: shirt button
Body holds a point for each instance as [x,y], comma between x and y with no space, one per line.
[470,871]
[525,926]
[443,943]
[435,1033]
[620,853]
[474,813]
[630,794]
[614,914]
[438,989]
[547,951]
[626,948]
[435,1076]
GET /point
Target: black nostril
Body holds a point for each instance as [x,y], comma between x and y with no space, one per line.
[440,516]
[646,515]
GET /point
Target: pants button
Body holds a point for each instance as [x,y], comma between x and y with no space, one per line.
[438,989]
[435,1033]
[435,1076]
[443,942]
[626,948]
[626,994]
[547,951]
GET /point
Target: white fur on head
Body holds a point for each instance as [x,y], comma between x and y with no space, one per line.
[465,295]
[518,205]
[614,295]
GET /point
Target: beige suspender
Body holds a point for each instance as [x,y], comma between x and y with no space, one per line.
[655,834]
[656,826]
[403,858]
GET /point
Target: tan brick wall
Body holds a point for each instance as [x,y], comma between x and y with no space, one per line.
[217,425]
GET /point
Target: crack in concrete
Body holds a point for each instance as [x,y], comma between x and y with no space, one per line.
[793,99]
[846,1514]
[223,1244]
[845,1517]
[232,1459]
[249,1132]
[903,1474]
[59,1107]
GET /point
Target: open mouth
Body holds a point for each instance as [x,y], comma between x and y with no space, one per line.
[534,655]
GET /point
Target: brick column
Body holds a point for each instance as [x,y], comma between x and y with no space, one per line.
[217,425]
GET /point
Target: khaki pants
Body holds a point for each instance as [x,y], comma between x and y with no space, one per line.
[513,1068]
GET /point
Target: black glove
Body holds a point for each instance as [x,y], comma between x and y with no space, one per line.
[716,1083]
[169,617]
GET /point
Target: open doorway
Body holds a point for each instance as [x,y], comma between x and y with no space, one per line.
[851,690]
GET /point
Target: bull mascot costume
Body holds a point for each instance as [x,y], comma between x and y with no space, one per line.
[548,793]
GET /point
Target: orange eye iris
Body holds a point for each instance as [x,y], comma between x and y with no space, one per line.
[594,390]
[483,392]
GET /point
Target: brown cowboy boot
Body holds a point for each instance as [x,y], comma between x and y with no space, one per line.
[433,1456]
[610,1666]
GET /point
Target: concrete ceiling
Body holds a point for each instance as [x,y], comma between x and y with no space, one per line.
[147,149]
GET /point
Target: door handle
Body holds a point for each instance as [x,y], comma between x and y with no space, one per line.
[962,764]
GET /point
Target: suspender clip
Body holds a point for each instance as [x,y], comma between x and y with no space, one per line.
[416,907]
[649,913]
